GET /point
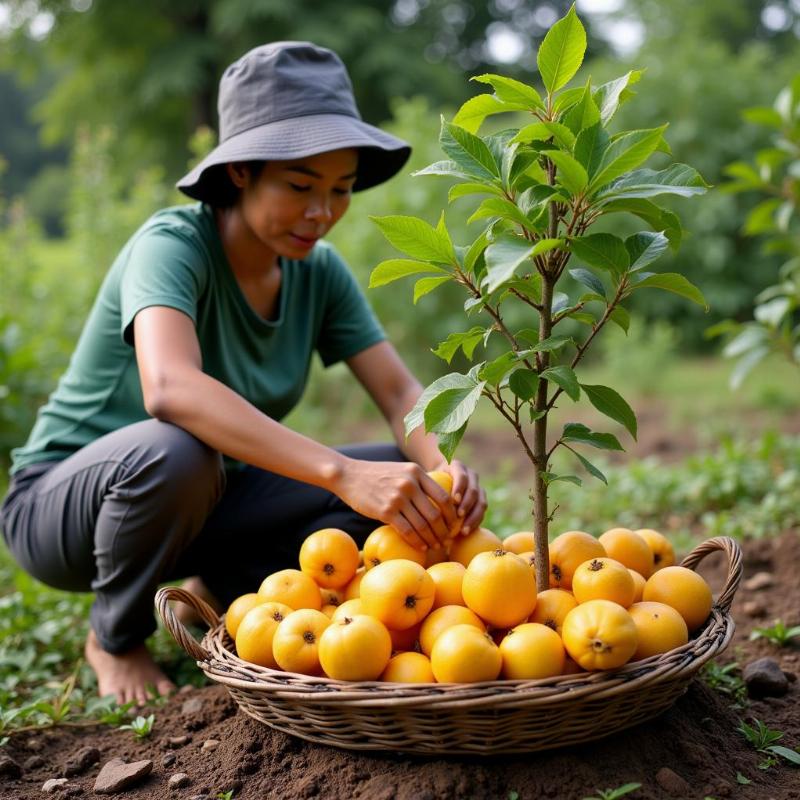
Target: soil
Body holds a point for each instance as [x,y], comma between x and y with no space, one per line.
[691,751]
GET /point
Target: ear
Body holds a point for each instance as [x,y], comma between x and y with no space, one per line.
[239,173]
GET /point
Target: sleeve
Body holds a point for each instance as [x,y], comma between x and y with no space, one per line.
[349,324]
[163,268]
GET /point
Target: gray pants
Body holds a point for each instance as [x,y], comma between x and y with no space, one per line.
[150,503]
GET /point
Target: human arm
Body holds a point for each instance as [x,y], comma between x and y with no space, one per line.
[395,391]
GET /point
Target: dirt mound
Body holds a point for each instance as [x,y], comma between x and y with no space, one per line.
[691,751]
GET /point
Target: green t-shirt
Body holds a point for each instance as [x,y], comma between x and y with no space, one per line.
[176,259]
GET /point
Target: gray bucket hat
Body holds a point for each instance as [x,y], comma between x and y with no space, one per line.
[288,100]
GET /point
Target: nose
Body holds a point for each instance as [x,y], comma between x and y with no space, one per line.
[319,209]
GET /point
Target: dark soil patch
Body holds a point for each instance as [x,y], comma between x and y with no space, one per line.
[691,751]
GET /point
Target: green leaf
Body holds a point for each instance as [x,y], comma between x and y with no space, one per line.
[609,402]
[677,179]
[565,377]
[657,218]
[507,252]
[472,114]
[542,131]
[417,238]
[523,383]
[448,442]
[580,434]
[609,96]
[426,285]
[785,752]
[396,268]
[475,251]
[621,317]
[626,153]
[742,779]
[548,345]
[467,341]
[453,380]
[602,250]
[590,145]
[584,114]
[589,467]
[763,116]
[502,208]
[468,151]
[571,175]
[590,280]
[561,53]
[494,372]
[676,283]
[551,477]
[645,247]
[464,189]
[512,91]
[566,99]
[448,168]
[451,409]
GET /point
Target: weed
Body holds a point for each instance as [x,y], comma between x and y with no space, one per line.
[722,679]
[763,740]
[225,795]
[613,794]
[778,634]
[141,726]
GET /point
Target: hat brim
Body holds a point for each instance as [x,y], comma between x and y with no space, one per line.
[381,155]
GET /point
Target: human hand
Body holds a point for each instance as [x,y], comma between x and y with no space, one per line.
[467,494]
[399,494]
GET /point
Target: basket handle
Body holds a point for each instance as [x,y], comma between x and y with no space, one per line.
[734,553]
[176,627]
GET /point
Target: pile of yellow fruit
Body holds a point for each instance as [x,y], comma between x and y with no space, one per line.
[469,612]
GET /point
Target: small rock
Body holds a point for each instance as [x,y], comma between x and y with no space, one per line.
[186,689]
[79,762]
[754,608]
[33,762]
[761,580]
[790,676]
[9,767]
[192,706]
[34,744]
[53,784]
[174,742]
[168,760]
[672,783]
[178,780]
[210,744]
[116,775]
[765,678]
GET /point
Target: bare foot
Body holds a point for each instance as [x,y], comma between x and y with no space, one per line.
[126,675]
[187,615]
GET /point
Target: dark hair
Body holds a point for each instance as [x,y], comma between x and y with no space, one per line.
[220,190]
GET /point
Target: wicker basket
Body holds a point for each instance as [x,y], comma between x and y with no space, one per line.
[448,719]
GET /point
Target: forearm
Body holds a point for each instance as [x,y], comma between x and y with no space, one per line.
[420,447]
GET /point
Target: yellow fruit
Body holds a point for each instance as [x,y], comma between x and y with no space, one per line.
[638,585]
[295,643]
[256,630]
[567,552]
[440,620]
[628,548]
[435,555]
[552,605]
[684,590]
[355,649]
[386,544]
[399,593]
[530,557]
[659,627]
[350,608]
[532,651]
[465,654]
[603,579]
[331,597]
[409,668]
[445,480]
[238,608]
[330,557]
[354,587]
[292,587]
[447,577]
[328,609]
[519,542]
[465,548]
[407,639]
[663,553]
[500,588]
[599,634]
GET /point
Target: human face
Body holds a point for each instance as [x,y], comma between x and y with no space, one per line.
[292,204]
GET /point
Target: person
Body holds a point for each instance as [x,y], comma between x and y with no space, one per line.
[161,454]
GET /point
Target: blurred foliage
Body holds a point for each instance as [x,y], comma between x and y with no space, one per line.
[775,175]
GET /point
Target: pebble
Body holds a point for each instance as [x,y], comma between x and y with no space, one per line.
[765,678]
[174,742]
[192,706]
[754,608]
[168,760]
[210,744]
[186,689]
[672,783]
[34,744]
[53,784]
[116,775]
[761,580]
[33,762]
[178,780]
[9,767]
[80,761]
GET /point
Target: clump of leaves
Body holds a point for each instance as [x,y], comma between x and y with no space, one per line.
[724,679]
[763,740]
[778,634]
[613,794]
[544,185]
[141,726]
